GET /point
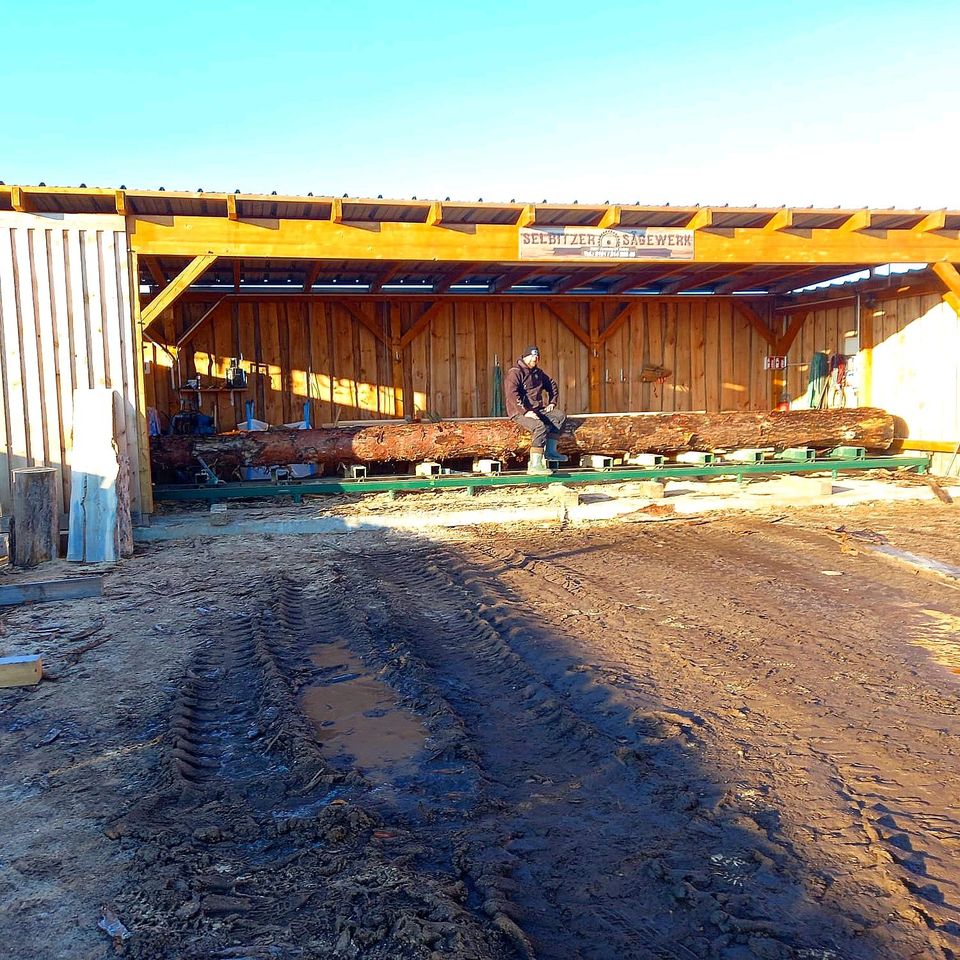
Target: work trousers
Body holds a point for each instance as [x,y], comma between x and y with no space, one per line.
[546,423]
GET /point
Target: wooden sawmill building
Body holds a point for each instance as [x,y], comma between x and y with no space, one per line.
[370,309]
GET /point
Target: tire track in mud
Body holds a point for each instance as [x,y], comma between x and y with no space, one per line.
[570,772]
[882,822]
[249,843]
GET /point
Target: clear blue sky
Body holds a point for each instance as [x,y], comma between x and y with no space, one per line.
[803,102]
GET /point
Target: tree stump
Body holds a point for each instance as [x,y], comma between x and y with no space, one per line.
[35,526]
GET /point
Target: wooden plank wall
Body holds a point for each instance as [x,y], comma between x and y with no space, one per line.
[338,356]
[65,322]
[916,365]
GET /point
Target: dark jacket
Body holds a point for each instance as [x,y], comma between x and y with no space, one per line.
[524,388]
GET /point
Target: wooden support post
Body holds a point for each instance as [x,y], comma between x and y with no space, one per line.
[143,434]
[396,358]
[596,360]
[865,359]
[35,530]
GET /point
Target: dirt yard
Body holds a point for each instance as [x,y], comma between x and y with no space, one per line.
[733,737]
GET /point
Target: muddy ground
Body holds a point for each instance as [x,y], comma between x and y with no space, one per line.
[728,738]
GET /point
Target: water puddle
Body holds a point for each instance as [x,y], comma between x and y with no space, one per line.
[357,718]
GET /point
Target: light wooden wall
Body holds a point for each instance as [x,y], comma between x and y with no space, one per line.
[329,350]
[65,322]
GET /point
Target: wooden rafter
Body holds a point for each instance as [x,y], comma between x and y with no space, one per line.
[576,279]
[387,276]
[435,214]
[120,202]
[702,218]
[528,216]
[312,275]
[781,220]
[454,276]
[936,220]
[506,281]
[156,274]
[169,294]
[860,220]
[947,272]
[611,218]
[19,200]
[724,283]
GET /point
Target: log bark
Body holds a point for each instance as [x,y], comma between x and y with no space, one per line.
[35,527]
[612,434]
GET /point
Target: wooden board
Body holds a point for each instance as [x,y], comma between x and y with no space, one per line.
[46,591]
[23,671]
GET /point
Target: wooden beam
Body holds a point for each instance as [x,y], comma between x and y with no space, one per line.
[498,243]
[46,591]
[19,200]
[781,220]
[120,202]
[568,322]
[611,218]
[312,275]
[936,220]
[396,358]
[365,320]
[191,331]
[528,216]
[860,220]
[947,272]
[232,207]
[865,357]
[23,671]
[595,367]
[753,318]
[620,316]
[423,321]
[142,465]
[786,341]
[435,214]
[168,296]
[336,210]
[702,218]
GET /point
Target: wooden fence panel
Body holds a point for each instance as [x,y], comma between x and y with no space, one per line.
[65,322]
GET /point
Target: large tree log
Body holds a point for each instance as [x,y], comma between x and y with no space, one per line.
[502,439]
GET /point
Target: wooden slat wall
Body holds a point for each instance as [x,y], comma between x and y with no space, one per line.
[320,351]
[65,322]
[916,365]
[823,331]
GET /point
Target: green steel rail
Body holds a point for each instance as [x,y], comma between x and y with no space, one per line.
[301,488]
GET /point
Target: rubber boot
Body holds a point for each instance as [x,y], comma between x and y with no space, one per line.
[537,466]
[550,452]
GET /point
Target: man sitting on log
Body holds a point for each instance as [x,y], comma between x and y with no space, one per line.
[525,386]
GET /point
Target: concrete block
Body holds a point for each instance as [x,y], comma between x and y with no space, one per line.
[805,486]
[647,489]
[567,496]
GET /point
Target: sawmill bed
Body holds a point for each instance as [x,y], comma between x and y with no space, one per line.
[669,471]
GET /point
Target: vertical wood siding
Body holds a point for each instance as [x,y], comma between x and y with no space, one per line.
[65,322]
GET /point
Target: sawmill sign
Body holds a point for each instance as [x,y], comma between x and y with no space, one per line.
[596,243]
